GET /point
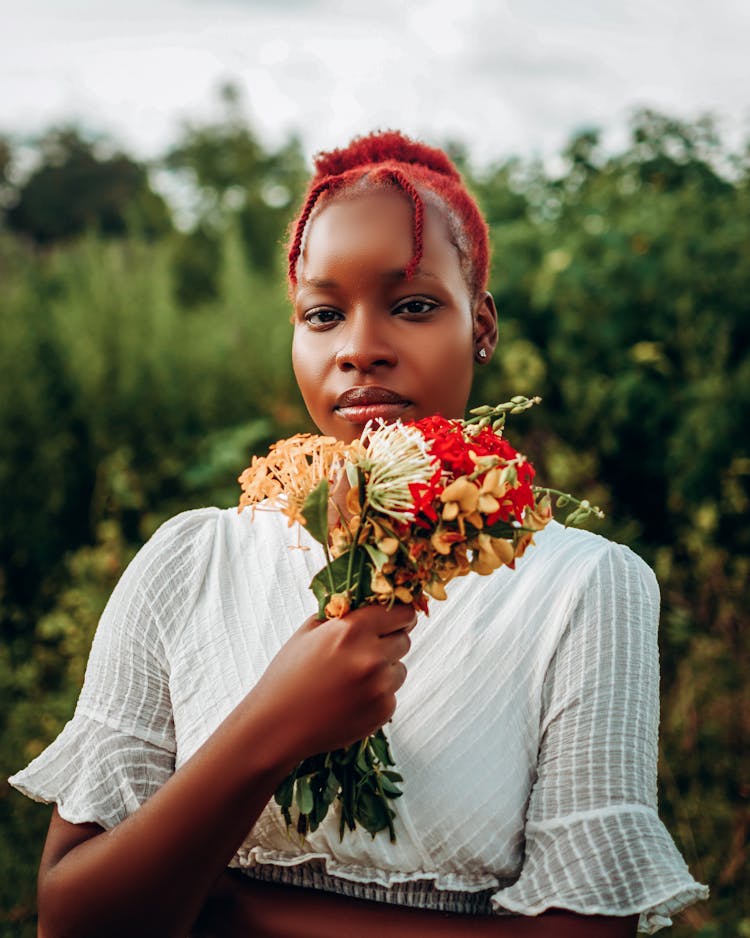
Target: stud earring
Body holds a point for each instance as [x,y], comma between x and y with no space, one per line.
[483,353]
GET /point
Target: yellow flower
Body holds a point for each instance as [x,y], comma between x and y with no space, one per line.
[522,542]
[340,541]
[403,595]
[494,484]
[381,585]
[491,553]
[462,491]
[389,545]
[540,515]
[435,589]
[488,504]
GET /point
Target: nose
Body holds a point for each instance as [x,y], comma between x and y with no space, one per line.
[366,344]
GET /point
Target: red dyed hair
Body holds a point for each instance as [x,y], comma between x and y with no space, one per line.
[389,159]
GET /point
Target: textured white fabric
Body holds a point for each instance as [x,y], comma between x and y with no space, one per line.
[526,730]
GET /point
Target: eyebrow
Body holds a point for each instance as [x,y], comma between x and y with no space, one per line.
[321,283]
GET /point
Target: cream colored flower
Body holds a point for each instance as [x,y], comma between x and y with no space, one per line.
[394,457]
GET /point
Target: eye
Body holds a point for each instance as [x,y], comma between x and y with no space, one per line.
[415,306]
[322,317]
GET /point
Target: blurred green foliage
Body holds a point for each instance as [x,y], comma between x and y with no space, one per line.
[78,186]
[129,391]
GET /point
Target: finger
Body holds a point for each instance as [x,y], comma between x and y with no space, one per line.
[398,672]
[378,620]
[410,626]
[395,645]
[399,618]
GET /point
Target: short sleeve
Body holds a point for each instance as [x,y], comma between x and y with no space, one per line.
[119,748]
[594,841]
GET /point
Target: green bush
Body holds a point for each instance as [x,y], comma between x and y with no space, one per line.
[622,286]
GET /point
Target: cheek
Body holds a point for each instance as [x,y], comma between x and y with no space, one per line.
[300,364]
[308,369]
[448,368]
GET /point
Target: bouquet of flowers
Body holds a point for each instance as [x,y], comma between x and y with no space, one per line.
[400,512]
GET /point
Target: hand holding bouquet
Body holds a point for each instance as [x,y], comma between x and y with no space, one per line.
[399,512]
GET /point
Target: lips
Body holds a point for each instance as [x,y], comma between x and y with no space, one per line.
[366,395]
[368,402]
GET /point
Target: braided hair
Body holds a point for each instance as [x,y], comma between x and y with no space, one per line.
[423,174]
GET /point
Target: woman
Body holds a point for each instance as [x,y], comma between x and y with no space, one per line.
[526,731]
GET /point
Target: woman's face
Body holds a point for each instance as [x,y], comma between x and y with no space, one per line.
[368,343]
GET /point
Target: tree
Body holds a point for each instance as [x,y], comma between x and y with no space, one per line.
[623,289]
[78,187]
[235,180]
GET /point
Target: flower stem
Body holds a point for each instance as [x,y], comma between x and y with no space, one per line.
[353,551]
[583,508]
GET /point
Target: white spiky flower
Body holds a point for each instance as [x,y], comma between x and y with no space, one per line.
[394,456]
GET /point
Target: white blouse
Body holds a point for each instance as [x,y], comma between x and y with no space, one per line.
[526,731]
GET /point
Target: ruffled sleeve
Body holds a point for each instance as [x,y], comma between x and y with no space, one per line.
[119,748]
[594,841]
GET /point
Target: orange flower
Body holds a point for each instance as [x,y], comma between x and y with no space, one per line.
[290,471]
[338,605]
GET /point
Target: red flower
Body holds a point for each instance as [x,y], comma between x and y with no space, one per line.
[458,452]
[426,496]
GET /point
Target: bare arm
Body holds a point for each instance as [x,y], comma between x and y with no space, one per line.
[331,684]
[240,907]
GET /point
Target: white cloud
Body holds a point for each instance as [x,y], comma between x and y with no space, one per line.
[513,76]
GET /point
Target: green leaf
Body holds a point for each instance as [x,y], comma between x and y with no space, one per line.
[319,586]
[347,802]
[377,556]
[338,570]
[304,796]
[315,512]
[352,474]
[283,794]
[344,756]
[363,763]
[390,790]
[332,787]
[499,529]
[380,748]
[372,812]
[322,797]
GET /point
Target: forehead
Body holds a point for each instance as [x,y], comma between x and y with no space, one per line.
[375,227]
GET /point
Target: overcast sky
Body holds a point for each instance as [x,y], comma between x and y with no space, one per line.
[504,76]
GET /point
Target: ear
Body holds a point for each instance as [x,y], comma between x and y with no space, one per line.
[485,328]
